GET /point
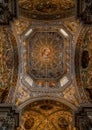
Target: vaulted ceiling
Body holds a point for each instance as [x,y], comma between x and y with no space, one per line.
[48,115]
[46,63]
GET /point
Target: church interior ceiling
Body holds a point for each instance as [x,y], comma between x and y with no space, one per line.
[45,62]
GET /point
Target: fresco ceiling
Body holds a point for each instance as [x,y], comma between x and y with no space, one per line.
[46,64]
[47,54]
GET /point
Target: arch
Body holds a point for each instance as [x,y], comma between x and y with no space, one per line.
[61,100]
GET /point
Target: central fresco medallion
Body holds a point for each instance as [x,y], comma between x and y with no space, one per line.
[45,56]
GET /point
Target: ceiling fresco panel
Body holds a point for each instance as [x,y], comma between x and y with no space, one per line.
[46,59]
[48,74]
[46,115]
[45,51]
[47,10]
